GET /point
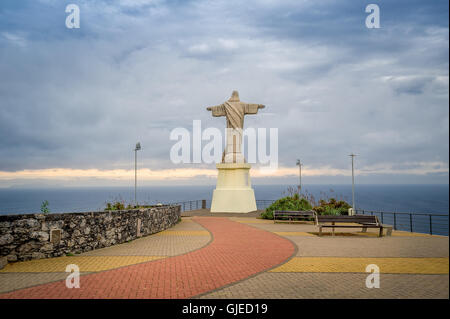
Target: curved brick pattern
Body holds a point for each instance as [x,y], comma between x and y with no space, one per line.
[38,272]
[251,220]
[184,237]
[236,252]
[183,233]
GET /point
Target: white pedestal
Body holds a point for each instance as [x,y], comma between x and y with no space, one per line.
[233,193]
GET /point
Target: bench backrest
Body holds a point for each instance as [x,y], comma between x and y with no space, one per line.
[295,212]
[360,219]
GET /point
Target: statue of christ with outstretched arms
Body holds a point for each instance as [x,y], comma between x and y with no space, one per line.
[234,110]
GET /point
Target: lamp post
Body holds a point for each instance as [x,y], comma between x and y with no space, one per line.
[353,182]
[137,148]
[299,163]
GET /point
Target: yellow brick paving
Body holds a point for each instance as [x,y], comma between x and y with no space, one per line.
[293,233]
[358,265]
[182,233]
[408,234]
[363,234]
[360,234]
[396,234]
[85,263]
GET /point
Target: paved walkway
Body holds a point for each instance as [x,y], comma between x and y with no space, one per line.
[236,252]
[239,256]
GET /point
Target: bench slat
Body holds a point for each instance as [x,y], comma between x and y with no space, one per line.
[347,219]
[350,226]
[364,221]
[280,212]
[292,216]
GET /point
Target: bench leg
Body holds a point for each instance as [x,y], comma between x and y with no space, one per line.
[380,234]
[364,229]
[332,231]
[320,231]
[388,231]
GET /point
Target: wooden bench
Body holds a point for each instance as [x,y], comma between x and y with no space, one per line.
[363,221]
[385,226]
[293,215]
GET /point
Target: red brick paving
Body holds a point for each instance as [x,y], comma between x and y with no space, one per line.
[236,252]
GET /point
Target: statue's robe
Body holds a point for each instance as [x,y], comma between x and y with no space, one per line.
[234,111]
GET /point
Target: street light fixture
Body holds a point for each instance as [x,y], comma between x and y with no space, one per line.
[299,163]
[353,183]
[137,148]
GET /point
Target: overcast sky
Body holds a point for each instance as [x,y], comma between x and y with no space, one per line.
[73,102]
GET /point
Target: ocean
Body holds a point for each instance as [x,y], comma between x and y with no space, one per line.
[426,199]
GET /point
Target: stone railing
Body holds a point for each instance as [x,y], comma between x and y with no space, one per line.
[34,236]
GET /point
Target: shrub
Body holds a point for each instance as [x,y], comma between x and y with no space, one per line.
[332,207]
[119,206]
[115,206]
[44,207]
[294,202]
[297,202]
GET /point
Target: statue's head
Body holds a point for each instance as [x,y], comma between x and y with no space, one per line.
[234,97]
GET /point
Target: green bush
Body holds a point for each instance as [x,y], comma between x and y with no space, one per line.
[115,206]
[294,202]
[44,207]
[332,211]
[332,207]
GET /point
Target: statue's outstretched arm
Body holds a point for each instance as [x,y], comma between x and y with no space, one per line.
[218,110]
[253,108]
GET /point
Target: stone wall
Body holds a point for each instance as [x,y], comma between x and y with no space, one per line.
[34,236]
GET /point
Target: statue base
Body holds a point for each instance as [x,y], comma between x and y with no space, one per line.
[233,193]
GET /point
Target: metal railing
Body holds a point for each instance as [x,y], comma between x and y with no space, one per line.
[192,204]
[203,203]
[264,203]
[433,224]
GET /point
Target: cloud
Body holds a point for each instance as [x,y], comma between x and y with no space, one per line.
[80,99]
[310,173]
[408,84]
[138,3]
[15,39]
